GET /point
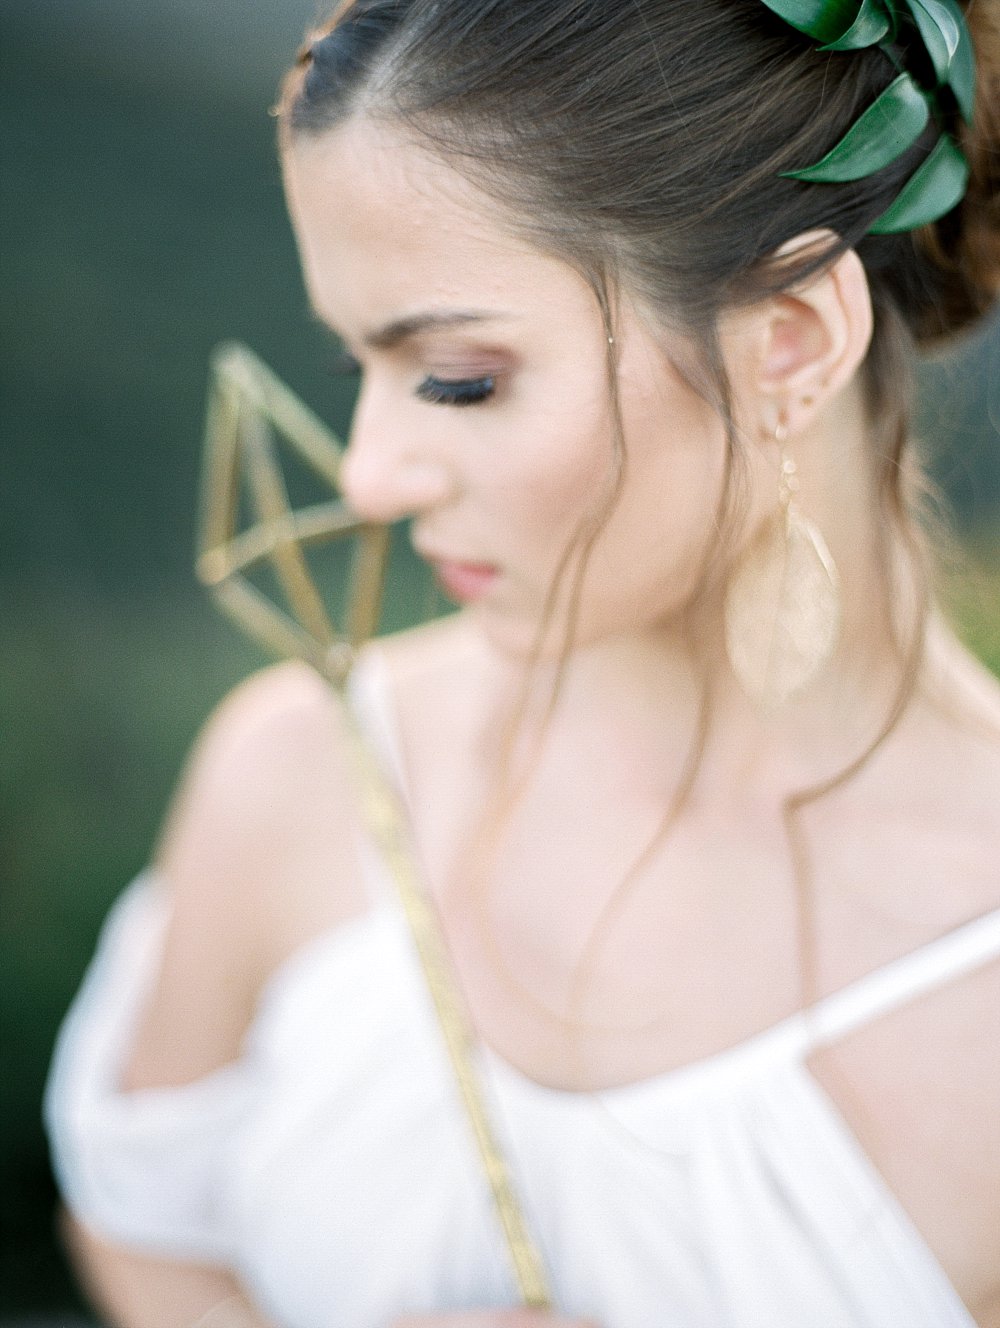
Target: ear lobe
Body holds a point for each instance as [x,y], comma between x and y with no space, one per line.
[815,338]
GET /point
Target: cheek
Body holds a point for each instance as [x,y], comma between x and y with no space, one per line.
[674,487]
[664,525]
[556,498]
[556,471]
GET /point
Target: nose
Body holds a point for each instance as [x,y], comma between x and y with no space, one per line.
[388,471]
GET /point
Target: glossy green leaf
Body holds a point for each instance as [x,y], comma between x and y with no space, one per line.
[945,34]
[939,32]
[872,25]
[893,123]
[962,72]
[823,20]
[934,189]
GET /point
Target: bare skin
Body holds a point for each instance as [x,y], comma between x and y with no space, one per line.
[904,852]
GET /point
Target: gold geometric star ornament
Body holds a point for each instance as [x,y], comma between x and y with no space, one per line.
[249,410]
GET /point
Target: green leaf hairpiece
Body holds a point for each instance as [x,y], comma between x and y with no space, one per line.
[897,118]
[891,124]
[934,189]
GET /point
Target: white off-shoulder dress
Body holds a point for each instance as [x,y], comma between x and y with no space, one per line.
[333,1168]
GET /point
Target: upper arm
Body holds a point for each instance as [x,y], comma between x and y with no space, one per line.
[257,853]
[137,1290]
[924,1087]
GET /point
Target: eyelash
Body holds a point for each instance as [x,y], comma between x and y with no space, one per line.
[456,392]
[435,391]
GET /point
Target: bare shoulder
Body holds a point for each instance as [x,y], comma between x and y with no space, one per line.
[966,691]
[272,752]
[257,855]
[925,1079]
[964,773]
[921,1090]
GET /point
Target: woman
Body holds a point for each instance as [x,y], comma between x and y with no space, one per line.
[702,790]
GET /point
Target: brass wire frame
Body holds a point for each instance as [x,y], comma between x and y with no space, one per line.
[247,406]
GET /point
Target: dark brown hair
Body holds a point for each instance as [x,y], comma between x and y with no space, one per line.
[644,141]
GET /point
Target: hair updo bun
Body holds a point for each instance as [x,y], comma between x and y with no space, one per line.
[961,252]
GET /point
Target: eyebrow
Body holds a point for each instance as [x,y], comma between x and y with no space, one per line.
[401,329]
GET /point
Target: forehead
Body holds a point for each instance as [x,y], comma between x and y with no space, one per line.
[384,228]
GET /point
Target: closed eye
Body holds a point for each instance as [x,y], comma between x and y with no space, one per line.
[436,391]
[456,392]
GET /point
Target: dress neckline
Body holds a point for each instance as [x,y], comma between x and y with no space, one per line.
[791,1040]
[932,965]
[796,1037]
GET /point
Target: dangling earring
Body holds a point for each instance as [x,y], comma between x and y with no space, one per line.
[782,609]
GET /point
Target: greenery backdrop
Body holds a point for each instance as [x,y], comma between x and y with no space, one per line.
[143,223]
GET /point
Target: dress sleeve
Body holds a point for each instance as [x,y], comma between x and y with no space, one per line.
[146,1168]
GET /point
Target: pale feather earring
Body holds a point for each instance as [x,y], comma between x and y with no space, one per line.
[782,610]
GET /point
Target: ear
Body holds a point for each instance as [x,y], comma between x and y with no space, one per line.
[807,343]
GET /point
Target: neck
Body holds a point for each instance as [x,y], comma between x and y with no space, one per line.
[642,692]
[643,696]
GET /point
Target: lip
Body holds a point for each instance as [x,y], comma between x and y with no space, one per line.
[464,582]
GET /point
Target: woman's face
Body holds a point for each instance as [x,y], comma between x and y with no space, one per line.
[484,412]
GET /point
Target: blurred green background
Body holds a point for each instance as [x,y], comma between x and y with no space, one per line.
[142,223]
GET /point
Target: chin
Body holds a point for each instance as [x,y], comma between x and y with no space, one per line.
[510,635]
